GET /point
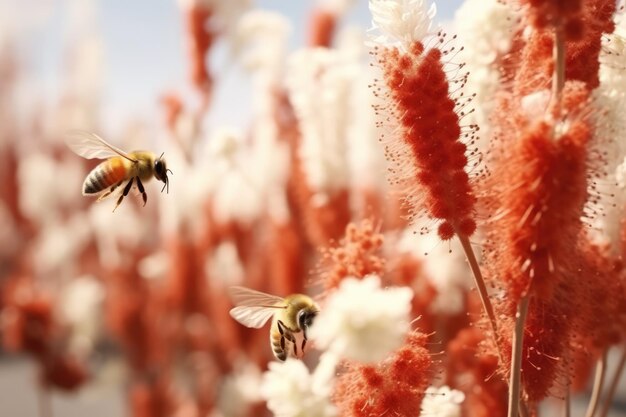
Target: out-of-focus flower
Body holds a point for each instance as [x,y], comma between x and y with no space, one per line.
[445,269]
[356,256]
[442,402]
[81,308]
[291,391]
[363,321]
[239,390]
[610,98]
[225,265]
[403,21]
[40,195]
[59,244]
[486,29]
[319,83]
[260,41]
[129,231]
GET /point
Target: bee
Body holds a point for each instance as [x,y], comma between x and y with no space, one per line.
[290,316]
[119,168]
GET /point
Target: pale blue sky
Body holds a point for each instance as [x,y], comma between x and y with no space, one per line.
[144,53]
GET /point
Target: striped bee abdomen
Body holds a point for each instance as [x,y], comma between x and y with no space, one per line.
[278,344]
[105,175]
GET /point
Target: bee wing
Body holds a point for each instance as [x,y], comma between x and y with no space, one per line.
[243,296]
[90,146]
[253,308]
[254,317]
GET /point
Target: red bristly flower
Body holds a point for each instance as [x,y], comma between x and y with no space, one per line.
[431,153]
[394,387]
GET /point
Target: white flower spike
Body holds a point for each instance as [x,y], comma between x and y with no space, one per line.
[403,21]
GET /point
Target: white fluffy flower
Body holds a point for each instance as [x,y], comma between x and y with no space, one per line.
[291,391]
[486,29]
[363,321]
[320,82]
[404,21]
[610,99]
[442,402]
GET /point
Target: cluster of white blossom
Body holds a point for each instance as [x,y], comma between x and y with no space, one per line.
[362,321]
[292,391]
[401,21]
[442,402]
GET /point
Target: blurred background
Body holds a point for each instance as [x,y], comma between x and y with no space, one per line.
[274,152]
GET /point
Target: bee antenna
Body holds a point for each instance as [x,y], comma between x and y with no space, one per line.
[170,171]
[165,185]
[162,153]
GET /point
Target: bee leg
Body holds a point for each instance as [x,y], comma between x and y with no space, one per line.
[304,339]
[286,334]
[108,193]
[125,193]
[142,191]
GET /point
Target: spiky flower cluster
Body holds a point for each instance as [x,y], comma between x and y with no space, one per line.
[395,386]
[426,148]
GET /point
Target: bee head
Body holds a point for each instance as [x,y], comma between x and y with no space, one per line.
[160,172]
[305,317]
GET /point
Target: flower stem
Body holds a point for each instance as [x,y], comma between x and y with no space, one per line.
[45,401]
[598,383]
[480,283]
[566,409]
[614,383]
[516,357]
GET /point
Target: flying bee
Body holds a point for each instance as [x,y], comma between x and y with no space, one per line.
[290,316]
[118,169]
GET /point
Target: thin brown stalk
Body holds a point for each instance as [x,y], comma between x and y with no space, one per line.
[515,386]
[598,384]
[45,401]
[614,383]
[567,403]
[479,281]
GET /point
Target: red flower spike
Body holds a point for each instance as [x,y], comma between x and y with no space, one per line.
[395,386]
[543,198]
[356,255]
[322,28]
[474,370]
[583,44]
[199,39]
[430,153]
